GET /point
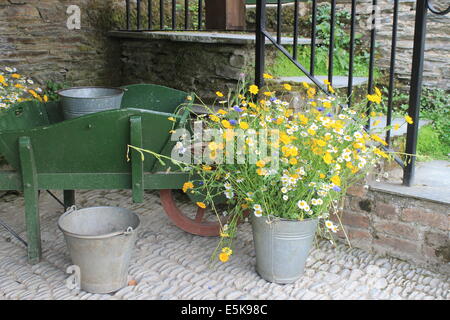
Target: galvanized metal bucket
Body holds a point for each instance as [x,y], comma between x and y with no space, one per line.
[100,241]
[282,247]
[79,101]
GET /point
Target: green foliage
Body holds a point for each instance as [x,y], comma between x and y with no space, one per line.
[52,88]
[435,106]
[430,145]
[283,67]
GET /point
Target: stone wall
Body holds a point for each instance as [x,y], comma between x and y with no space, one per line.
[201,67]
[414,230]
[35,39]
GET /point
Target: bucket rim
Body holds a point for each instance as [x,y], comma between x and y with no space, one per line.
[122,91]
[101,236]
[284,219]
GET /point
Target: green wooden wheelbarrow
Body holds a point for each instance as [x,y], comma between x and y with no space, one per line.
[89,152]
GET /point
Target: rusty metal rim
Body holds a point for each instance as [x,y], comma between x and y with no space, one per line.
[193,226]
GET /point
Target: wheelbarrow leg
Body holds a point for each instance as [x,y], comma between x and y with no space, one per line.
[31,194]
[69,198]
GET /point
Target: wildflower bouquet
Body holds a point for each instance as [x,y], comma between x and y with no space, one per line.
[270,160]
[15,88]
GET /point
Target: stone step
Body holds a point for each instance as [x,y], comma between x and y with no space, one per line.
[202,37]
[338,81]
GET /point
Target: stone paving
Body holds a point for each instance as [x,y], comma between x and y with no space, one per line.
[169,263]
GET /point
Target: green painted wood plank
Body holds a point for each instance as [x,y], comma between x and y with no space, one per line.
[137,164]
[30,183]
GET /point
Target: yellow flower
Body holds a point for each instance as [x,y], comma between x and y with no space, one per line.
[380,153]
[373,114]
[378,139]
[305,85]
[228,134]
[187,185]
[396,126]
[201,204]
[321,176]
[219,94]
[214,118]
[287,86]
[377,122]
[213,146]
[223,257]
[303,119]
[15,76]
[336,180]
[206,168]
[285,138]
[260,163]
[267,76]
[321,143]
[222,112]
[18,85]
[330,88]
[253,89]
[33,93]
[224,234]
[261,171]
[311,92]
[327,158]
[326,81]
[171,118]
[252,105]
[293,161]
[227,250]
[311,131]
[226,124]
[243,125]
[377,92]
[45,98]
[409,119]
[268,93]
[327,104]
[189,98]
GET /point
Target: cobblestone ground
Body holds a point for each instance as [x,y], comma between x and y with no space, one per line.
[169,263]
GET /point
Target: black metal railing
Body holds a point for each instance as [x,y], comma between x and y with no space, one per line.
[422,7]
[188,19]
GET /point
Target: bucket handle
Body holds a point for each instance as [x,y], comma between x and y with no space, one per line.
[71,209]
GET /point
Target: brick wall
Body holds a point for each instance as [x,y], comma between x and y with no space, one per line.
[415,230]
[35,39]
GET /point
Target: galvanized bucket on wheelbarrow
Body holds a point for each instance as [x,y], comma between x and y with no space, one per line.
[79,101]
[100,241]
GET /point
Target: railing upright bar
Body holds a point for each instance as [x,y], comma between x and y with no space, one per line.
[128,14]
[260,42]
[150,14]
[392,71]
[415,90]
[200,14]
[161,14]
[312,63]
[279,21]
[186,14]
[295,29]
[138,14]
[174,14]
[371,61]
[331,48]
[351,54]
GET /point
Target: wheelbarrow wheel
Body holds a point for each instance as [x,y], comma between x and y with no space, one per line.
[195,224]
